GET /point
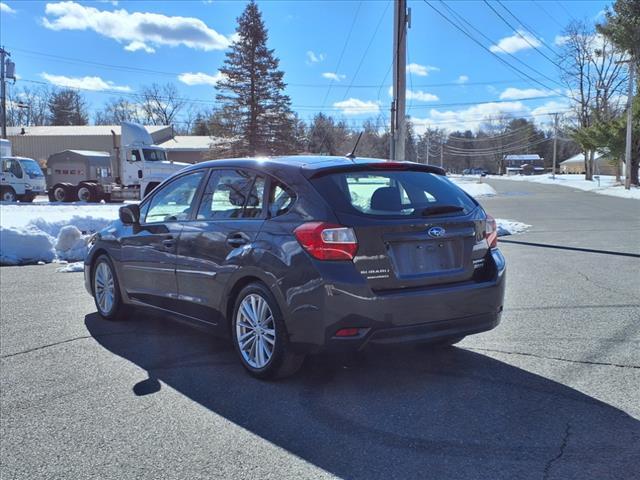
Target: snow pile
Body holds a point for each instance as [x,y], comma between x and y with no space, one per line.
[33,233]
[20,245]
[71,267]
[474,188]
[71,244]
[606,186]
[510,227]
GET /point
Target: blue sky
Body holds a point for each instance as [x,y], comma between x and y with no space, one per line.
[116,47]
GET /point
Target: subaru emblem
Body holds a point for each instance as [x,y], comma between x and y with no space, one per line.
[436,232]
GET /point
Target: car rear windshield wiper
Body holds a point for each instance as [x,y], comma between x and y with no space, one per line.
[438,209]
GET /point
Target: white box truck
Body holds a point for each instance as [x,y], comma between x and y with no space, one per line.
[130,172]
[21,178]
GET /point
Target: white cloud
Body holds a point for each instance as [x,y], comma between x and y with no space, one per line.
[469,118]
[149,29]
[462,79]
[4,8]
[135,46]
[418,95]
[336,77]
[513,93]
[313,57]
[520,40]
[560,40]
[84,83]
[200,78]
[421,96]
[421,70]
[355,106]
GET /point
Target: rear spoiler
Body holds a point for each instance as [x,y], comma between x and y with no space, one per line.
[368,166]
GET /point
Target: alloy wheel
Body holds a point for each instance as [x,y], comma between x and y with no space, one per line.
[104,288]
[255,331]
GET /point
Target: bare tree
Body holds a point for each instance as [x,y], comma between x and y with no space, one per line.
[119,110]
[594,79]
[161,104]
[28,106]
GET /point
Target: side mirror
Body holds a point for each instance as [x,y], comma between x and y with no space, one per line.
[130,214]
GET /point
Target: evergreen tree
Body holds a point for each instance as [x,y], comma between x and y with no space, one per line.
[252,91]
[67,107]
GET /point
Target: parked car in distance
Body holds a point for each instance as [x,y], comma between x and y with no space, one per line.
[291,256]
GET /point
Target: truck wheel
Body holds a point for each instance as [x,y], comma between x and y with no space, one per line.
[58,193]
[87,193]
[8,194]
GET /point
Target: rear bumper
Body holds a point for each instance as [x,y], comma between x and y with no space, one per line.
[419,315]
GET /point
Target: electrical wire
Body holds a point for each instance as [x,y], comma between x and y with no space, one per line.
[476,41]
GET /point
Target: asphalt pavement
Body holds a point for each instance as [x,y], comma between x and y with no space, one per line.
[552,393]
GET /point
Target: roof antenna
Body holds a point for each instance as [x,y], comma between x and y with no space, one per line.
[351,156]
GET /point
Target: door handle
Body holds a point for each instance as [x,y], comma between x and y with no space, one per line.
[236,240]
[169,243]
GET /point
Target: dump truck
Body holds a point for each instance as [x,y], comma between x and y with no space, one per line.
[21,178]
[132,170]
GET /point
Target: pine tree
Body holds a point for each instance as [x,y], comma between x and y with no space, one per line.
[252,91]
[67,107]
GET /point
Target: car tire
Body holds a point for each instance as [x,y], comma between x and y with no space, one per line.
[106,290]
[267,354]
[8,194]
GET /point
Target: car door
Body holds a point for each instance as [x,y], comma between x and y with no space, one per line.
[216,243]
[149,249]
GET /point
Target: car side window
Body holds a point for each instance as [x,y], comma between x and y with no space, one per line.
[173,202]
[280,199]
[232,194]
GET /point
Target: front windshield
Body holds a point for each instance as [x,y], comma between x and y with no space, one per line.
[152,155]
[31,168]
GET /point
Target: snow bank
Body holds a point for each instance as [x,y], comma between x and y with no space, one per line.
[475,188]
[510,227]
[71,267]
[606,186]
[33,233]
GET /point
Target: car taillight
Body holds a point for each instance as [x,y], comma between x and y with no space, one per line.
[491,232]
[327,241]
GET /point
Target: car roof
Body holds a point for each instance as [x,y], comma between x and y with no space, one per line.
[310,164]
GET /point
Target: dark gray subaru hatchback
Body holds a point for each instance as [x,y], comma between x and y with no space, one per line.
[296,255]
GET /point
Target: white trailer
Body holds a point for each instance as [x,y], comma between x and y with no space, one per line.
[130,172]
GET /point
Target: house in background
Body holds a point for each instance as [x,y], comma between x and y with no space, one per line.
[190,148]
[528,164]
[603,165]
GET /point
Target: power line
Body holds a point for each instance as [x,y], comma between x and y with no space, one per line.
[472,38]
[531,30]
[532,45]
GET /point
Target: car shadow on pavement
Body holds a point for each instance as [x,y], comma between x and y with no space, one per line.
[401,413]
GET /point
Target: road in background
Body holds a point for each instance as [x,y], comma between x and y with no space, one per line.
[551,393]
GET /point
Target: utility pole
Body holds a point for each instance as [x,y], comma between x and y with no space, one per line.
[428,148]
[627,150]
[401,22]
[555,143]
[3,92]
[441,155]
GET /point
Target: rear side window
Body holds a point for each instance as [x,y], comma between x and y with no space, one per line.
[391,193]
[280,199]
[232,194]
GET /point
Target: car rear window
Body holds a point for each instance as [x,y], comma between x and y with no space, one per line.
[391,193]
